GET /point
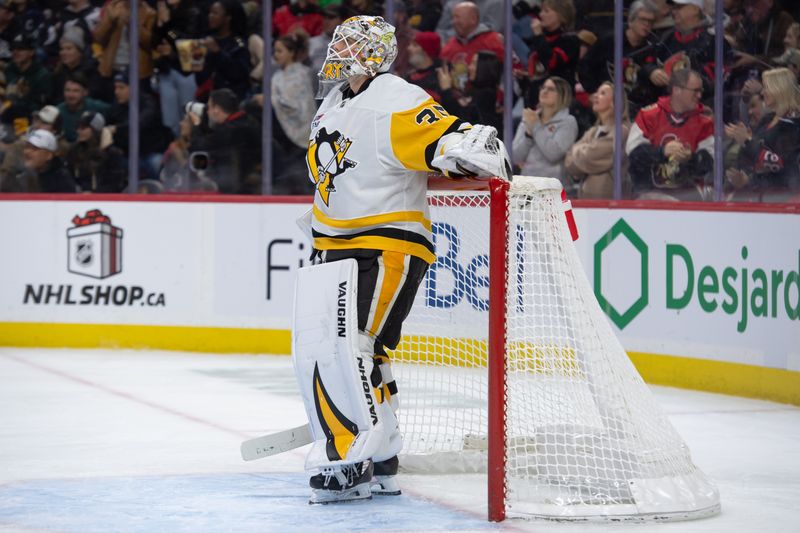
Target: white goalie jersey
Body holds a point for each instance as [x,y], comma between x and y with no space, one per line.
[369,155]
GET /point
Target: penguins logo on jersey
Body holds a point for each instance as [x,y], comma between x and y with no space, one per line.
[326,160]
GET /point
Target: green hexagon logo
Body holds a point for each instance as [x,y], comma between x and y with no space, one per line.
[621,318]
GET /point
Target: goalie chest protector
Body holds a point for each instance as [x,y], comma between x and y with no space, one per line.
[368,157]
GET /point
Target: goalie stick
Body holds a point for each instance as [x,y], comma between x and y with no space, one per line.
[276,443]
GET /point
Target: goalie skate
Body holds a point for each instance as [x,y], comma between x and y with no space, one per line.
[342,483]
[385,481]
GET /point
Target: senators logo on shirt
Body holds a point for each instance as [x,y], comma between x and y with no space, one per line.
[326,160]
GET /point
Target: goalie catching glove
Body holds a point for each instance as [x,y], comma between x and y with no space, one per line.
[475,152]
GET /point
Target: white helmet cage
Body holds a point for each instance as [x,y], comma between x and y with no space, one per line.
[361,45]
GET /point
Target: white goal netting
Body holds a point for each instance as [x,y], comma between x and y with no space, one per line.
[584,436]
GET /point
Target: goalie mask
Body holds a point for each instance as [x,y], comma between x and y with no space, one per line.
[361,45]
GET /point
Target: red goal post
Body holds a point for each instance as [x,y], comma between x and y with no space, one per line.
[508,367]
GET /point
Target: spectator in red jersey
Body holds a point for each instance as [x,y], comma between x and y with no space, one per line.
[423,56]
[303,14]
[554,49]
[471,35]
[671,143]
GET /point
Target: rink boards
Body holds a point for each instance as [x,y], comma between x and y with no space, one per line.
[701,297]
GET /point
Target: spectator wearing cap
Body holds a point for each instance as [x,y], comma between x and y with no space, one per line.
[639,55]
[45,171]
[112,34]
[97,166]
[72,58]
[423,56]
[689,45]
[47,118]
[154,137]
[233,141]
[227,60]
[9,28]
[30,84]
[470,36]
[76,101]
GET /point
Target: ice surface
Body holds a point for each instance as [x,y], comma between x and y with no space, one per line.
[137,441]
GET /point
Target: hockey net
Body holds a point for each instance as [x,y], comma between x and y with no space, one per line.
[524,378]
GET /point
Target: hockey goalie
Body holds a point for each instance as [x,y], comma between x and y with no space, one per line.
[373,142]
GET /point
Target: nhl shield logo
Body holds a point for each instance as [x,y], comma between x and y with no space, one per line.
[84,255]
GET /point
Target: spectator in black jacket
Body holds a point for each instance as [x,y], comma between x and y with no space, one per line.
[479,103]
[232,140]
[638,54]
[96,168]
[30,84]
[9,28]
[690,44]
[227,61]
[154,137]
[554,48]
[176,21]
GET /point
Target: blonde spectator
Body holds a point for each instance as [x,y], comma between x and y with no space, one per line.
[590,161]
[769,153]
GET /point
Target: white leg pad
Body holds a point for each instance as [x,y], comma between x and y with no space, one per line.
[347,423]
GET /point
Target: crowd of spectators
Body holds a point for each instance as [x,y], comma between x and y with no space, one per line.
[64,91]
